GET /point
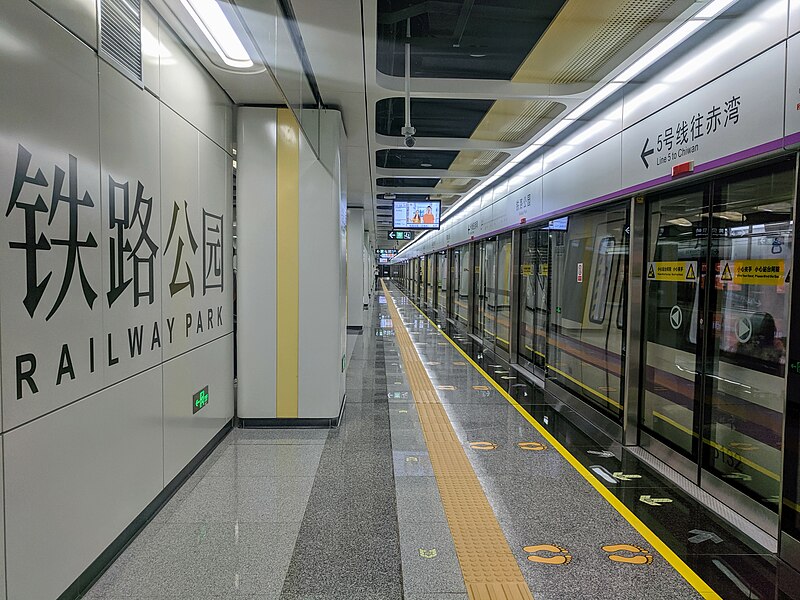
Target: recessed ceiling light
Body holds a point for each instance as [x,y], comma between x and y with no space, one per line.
[478,55]
[215,26]
[425,164]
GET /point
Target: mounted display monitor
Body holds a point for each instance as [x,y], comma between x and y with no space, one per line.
[416,214]
[559,224]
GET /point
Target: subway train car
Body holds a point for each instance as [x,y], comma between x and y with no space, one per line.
[641,270]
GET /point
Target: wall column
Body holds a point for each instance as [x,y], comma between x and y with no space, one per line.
[355,268]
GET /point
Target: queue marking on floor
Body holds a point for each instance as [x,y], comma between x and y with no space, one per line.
[488,565]
[656,542]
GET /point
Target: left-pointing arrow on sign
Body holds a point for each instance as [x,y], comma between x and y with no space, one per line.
[646,153]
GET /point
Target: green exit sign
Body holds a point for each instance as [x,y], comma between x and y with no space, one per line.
[200,399]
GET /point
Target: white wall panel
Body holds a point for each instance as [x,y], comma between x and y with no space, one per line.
[733,113]
[793,88]
[321,306]
[50,120]
[130,231]
[196,212]
[75,479]
[79,16]
[2,537]
[794,16]
[588,176]
[153,51]
[355,267]
[257,309]
[191,92]
[185,432]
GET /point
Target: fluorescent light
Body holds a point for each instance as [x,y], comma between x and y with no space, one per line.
[595,99]
[712,9]
[215,26]
[661,49]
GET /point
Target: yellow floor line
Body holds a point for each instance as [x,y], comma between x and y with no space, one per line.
[487,563]
[673,559]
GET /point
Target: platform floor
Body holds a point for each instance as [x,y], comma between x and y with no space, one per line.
[368,511]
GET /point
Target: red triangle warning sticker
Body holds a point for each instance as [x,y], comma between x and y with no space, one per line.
[726,272]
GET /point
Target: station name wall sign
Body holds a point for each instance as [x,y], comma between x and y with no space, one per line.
[101,277]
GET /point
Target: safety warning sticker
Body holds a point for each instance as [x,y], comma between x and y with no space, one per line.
[672,271]
[527,270]
[753,272]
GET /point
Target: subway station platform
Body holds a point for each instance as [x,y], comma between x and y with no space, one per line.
[449,477]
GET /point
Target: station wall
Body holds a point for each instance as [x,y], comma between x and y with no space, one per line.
[116,305]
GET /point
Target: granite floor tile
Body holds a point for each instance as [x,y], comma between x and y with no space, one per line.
[201,560]
[429,559]
[282,435]
[264,460]
[245,499]
[418,500]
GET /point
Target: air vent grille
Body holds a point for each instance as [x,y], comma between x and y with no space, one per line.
[121,35]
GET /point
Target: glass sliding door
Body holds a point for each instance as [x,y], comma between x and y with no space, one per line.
[441,284]
[480,294]
[676,269]
[502,295]
[716,311]
[461,285]
[749,320]
[534,290]
[585,351]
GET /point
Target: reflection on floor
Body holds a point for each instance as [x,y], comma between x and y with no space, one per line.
[355,512]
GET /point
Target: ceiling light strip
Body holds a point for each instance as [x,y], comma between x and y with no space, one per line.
[661,49]
[215,26]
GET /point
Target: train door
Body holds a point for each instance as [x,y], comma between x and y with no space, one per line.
[462,284]
[534,291]
[486,322]
[480,292]
[716,317]
[441,284]
[502,296]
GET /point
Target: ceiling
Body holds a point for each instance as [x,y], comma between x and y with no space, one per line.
[486,78]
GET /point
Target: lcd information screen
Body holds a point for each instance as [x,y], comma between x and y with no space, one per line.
[417,214]
[559,224]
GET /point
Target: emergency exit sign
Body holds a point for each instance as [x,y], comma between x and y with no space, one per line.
[200,399]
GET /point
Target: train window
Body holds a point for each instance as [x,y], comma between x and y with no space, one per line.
[588,278]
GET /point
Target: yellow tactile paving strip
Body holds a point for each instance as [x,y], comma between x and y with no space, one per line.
[489,568]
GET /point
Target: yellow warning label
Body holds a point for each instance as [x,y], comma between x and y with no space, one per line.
[544,270]
[672,271]
[527,270]
[753,272]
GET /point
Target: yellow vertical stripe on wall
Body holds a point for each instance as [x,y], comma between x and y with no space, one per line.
[288,263]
